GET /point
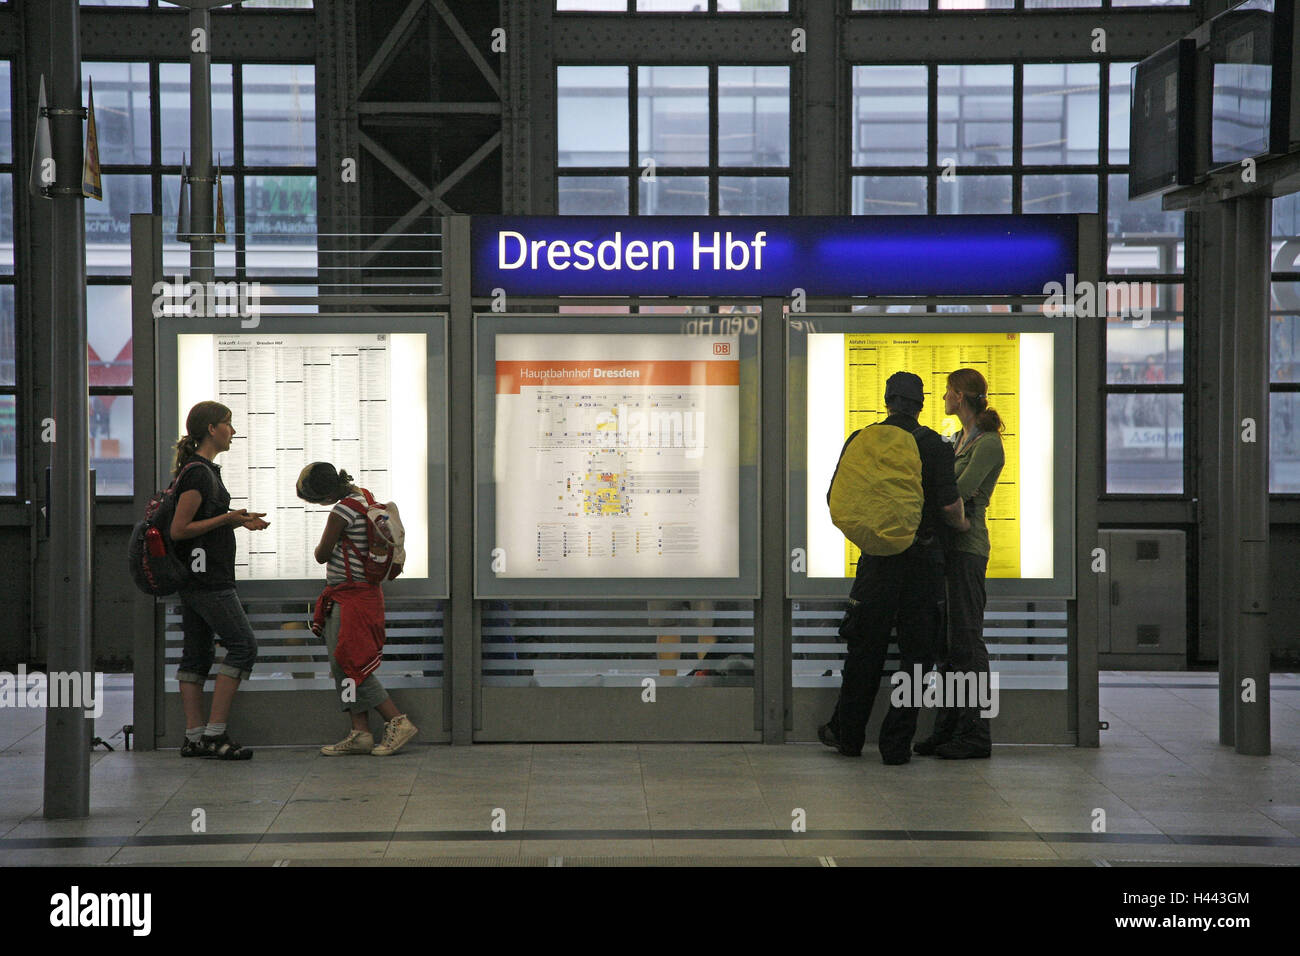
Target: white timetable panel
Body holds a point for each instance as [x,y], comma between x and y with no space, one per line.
[349,399]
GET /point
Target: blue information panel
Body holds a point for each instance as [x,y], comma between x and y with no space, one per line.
[772,255]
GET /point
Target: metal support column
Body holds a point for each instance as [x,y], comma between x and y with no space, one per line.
[458,619]
[67,730]
[201,256]
[146,651]
[820,176]
[1229,437]
[772,615]
[1089,358]
[1249,598]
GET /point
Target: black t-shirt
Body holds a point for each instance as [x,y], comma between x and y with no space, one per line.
[219,543]
[938,479]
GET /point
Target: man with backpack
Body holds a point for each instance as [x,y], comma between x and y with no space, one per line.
[892,493]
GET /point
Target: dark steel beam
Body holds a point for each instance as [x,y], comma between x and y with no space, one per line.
[164,34]
[991,37]
[462,37]
[388,49]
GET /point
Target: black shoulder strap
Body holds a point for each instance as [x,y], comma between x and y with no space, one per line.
[184,468]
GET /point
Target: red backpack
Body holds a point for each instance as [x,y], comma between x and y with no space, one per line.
[385,539]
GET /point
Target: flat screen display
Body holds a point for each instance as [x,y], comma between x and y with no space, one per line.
[1160,121]
[1241,100]
[846,385]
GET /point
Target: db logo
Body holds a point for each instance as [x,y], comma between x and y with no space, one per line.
[721,348]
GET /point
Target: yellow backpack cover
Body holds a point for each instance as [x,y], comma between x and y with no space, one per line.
[876,495]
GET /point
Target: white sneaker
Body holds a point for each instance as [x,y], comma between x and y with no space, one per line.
[398,732]
[357,742]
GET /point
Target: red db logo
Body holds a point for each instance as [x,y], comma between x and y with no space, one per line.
[721,348]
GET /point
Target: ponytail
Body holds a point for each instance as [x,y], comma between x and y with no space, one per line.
[974,389]
[186,449]
[989,420]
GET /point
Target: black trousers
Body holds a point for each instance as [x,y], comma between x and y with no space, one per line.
[967,653]
[905,591]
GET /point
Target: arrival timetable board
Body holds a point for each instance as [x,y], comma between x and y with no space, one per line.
[845,391]
[869,360]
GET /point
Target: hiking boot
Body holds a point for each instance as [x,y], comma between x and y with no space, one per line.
[357,742]
[828,736]
[963,750]
[398,732]
[928,746]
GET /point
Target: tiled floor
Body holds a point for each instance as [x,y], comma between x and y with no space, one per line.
[1159,790]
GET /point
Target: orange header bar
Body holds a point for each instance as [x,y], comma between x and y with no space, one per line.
[511,376]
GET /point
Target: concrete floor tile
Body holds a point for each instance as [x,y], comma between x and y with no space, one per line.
[719,848]
[370,813]
[1075,823]
[89,856]
[215,821]
[996,853]
[318,851]
[165,855]
[894,849]
[1227,823]
[416,850]
[115,822]
[573,851]
[585,818]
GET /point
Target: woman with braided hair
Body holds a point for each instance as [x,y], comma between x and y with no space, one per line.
[961,733]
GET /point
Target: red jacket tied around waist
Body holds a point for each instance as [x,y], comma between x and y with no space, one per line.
[360,647]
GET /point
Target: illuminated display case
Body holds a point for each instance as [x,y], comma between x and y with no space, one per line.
[617,464]
[366,393]
[838,368]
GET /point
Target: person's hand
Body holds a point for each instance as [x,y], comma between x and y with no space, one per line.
[252,520]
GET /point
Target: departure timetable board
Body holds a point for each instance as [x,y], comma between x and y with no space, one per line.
[353,399]
[869,360]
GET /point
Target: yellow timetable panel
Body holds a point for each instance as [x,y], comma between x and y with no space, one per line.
[870,359]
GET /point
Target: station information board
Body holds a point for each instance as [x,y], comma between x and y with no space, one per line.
[846,384]
[356,400]
[617,455]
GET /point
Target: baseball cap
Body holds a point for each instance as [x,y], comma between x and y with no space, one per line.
[905,385]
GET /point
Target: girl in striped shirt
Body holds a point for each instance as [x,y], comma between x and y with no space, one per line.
[351,610]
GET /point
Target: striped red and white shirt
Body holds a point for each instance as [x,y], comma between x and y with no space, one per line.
[354,530]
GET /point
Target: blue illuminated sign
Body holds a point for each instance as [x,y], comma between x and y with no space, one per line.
[772,255]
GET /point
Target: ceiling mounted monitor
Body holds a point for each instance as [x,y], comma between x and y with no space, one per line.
[1161,111]
[1252,100]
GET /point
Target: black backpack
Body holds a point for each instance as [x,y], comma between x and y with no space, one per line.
[151,554]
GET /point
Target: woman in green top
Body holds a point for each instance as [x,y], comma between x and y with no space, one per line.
[961,733]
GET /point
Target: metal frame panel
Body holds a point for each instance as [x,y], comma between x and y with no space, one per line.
[434,326]
[487,584]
